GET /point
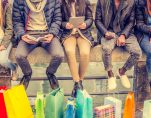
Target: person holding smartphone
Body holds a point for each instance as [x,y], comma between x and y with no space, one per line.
[38,18]
[6,35]
[79,36]
[115,20]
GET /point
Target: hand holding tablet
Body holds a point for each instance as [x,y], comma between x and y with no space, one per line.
[77,22]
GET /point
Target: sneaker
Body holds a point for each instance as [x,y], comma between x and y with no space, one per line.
[124,80]
[112,83]
[15,74]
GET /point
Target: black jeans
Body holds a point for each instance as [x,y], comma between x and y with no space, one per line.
[54,49]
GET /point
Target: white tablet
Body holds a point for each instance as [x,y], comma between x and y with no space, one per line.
[75,21]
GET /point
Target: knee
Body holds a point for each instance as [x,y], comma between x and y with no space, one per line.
[69,52]
[137,53]
[106,50]
[58,56]
[84,54]
[20,56]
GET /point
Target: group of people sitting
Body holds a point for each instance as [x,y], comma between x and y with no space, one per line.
[120,23]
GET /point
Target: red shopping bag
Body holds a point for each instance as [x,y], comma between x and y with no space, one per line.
[3,112]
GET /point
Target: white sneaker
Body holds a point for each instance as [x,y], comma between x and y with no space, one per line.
[124,80]
[112,83]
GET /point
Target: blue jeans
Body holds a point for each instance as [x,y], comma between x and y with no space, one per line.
[146,47]
[4,58]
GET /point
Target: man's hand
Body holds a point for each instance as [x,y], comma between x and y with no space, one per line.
[2,47]
[69,26]
[27,40]
[48,38]
[110,35]
[150,40]
[82,26]
[121,40]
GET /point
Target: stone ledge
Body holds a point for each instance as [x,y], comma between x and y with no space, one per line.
[39,55]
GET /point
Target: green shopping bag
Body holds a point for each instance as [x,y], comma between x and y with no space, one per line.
[39,105]
[147,109]
[84,105]
[55,104]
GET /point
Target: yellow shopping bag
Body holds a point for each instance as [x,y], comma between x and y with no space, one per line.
[17,103]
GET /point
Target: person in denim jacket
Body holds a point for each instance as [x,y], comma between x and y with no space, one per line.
[6,35]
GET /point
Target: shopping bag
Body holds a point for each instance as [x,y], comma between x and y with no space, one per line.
[129,108]
[116,103]
[17,103]
[84,105]
[147,109]
[105,111]
[70,108]
[39,105]
[55,104]
[3,113]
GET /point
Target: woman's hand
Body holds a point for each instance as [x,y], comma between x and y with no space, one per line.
[82,26]
[69,26]
[2,47]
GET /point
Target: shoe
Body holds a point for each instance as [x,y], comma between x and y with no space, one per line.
[124,80]
[112,83]
[75,89]
[53,81]
[15,74]
[25,80]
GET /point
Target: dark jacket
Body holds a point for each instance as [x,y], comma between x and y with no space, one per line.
[8,28]
[124,18]
[52,14]
[141,20]
[65,8]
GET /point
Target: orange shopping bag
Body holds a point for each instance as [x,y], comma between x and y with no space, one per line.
[129,108]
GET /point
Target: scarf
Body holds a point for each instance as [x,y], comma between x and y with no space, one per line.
[36,5]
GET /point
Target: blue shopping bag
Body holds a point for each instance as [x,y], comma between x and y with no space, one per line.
[70,109]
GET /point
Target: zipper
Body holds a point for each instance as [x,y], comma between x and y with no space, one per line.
[27,21]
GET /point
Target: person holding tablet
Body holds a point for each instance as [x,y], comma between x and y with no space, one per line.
[77,34]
